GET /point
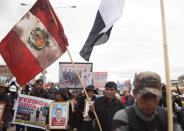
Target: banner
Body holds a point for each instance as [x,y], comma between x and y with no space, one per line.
[31,111]
[99,79]
[124,85]
[68,77]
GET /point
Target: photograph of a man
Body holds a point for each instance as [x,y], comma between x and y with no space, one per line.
[58,120]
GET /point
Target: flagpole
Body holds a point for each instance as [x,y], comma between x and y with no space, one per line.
[96,117]
[167,69]
[83,86]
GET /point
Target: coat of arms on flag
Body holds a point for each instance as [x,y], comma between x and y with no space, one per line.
[38,39]
[35,42]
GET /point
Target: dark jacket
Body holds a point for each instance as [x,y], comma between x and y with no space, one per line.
[159,122]
[80,110]
[105,111]
[132,119]
[39,93]
[5,98]
[129,100]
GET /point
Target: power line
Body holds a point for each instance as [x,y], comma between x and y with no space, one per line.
[70,6]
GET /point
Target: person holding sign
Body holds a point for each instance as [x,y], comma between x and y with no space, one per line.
[38,91]
[5,107]
[60,116]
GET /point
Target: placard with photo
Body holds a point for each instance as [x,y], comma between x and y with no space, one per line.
[68,76]
[58,115]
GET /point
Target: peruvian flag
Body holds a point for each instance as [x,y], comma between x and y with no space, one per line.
[34,43]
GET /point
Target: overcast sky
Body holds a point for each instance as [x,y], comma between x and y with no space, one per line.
[135,43]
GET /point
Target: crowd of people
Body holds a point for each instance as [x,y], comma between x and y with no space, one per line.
[143,110]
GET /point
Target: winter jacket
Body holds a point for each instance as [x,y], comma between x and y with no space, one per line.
[5,98]
[105,111]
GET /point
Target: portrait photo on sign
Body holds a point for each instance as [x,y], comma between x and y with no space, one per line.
[58,115]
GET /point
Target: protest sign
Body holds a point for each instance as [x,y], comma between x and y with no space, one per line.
[58,115]
[68,77]
[31,111]
[99,79]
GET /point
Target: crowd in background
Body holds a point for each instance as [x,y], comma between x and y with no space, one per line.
[106,104]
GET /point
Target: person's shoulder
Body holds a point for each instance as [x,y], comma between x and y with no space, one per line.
[44,91]
[121,115]
[5,97]
[100,99]
[120,121]
[45,94]
[161,110]
[118,101]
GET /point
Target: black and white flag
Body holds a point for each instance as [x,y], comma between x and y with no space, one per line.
[108,12]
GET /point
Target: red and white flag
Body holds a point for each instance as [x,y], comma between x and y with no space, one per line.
[34,43]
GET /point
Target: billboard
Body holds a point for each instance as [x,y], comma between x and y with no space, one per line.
[69,78]
[99,79]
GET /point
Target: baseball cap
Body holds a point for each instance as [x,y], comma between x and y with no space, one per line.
[148,82]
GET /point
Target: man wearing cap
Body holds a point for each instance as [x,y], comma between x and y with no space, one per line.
[145,114]
[106,106]
[5,98]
